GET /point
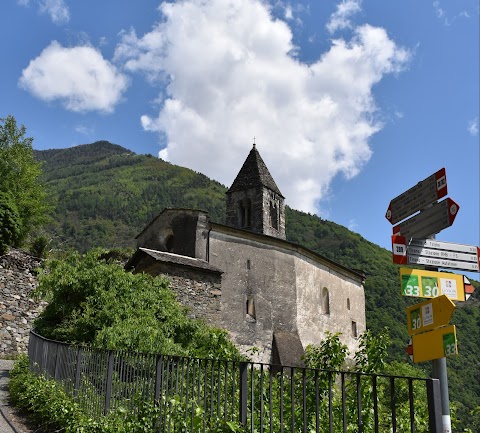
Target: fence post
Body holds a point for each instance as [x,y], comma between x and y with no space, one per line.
[108,391]
[434,406]
[78,370]
[158,378]
[243,394]
[55,370]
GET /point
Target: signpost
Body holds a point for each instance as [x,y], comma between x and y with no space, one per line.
[435,344]
[418,197]
[430,252]
[430,284]
[434,216]
[430,221]
[430,314]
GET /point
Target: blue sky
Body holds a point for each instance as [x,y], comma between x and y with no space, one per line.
[350,103]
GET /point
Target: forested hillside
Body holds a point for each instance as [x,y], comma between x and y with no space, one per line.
[105,194]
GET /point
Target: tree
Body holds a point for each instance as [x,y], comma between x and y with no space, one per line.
[9,222]
[92,300]
[20,177]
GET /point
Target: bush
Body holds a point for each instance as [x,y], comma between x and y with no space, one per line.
[92,300]
[39,247]
[10,223]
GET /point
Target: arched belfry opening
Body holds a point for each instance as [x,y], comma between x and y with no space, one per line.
[254,201]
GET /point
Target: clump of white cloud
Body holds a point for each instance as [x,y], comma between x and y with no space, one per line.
[56,9]
[79,77]
[341,18]
[473,127]
[230,75]
[439,12]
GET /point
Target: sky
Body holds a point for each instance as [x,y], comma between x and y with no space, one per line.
[350,103]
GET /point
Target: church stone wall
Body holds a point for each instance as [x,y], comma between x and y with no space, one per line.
[260,273]
[199,291]
[179,231]
[287,289]
[342,310]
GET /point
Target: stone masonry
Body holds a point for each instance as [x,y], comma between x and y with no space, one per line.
[18,308]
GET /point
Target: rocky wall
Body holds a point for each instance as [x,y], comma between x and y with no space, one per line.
[18,308]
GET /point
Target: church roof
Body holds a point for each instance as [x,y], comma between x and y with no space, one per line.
[254,173]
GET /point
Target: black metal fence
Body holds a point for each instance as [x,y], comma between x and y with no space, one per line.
[262,398]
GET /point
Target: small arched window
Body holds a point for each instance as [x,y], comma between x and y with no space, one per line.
[325,301]
[348,303]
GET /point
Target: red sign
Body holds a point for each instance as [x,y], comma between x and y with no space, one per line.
[418,197]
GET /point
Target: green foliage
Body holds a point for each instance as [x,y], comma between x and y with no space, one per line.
[39,247]
[20,177]
[107,194]
[371,358]
[10,225]
[50,407]
[328,355]
[92,300]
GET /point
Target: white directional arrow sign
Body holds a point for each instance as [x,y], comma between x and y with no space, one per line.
[431,252]
[418,197]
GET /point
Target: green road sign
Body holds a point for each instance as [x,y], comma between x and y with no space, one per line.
[435,344]
[429,284]
[430,314]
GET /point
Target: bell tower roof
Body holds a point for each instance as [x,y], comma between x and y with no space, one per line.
[254,173]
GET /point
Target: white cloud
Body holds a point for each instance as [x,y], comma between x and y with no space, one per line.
[79,77]
[340,19]
[473,127]
[56,9]
[439,12]
[230,76]
[84,130]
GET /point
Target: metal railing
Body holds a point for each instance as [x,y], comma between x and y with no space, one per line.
[261,397]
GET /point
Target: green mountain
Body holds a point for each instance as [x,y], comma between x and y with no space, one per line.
[105,194]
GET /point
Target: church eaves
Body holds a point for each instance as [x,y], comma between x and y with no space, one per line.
[254,173]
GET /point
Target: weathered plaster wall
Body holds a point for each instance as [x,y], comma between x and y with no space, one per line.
[260,272]
[18,309]
[286,287]
[345,298]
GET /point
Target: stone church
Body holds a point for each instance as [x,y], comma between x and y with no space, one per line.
[244,276]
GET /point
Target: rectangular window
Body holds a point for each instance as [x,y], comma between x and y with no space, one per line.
[354,329]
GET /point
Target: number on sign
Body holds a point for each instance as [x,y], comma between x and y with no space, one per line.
[416,323]
[412,290]
[431,291]
[450,349]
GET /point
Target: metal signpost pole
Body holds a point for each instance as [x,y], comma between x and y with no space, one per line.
[439,371]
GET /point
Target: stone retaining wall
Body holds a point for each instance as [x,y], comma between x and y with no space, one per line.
[18,309]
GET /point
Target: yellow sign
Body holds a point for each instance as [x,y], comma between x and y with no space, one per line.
[430,314]
[436,344]
[429,284]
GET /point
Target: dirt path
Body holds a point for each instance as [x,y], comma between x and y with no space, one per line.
[10,422]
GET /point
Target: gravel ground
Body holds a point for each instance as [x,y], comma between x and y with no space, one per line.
[10,420]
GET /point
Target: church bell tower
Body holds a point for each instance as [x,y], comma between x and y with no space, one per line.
[254,201]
